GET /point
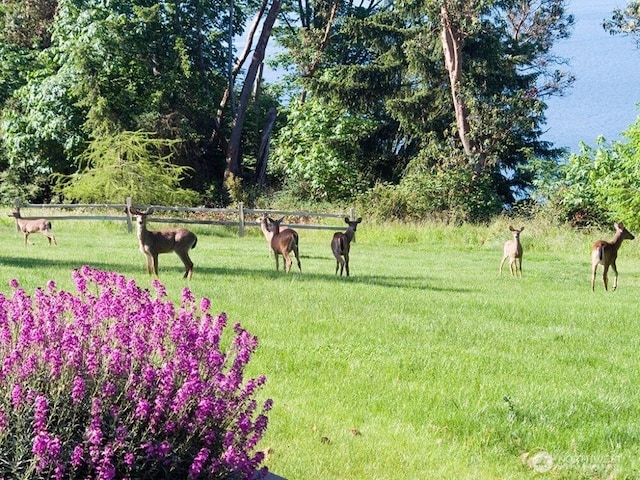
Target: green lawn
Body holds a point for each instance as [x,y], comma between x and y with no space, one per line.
[425,363]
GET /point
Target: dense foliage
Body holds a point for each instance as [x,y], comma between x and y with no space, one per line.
[129,164]
[600,184]
[439,102]
[113,382]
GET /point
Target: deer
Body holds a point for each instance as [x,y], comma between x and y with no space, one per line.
[153,243]
[283,242]
[341,244]
[605,253]
[27,227]
[513,251]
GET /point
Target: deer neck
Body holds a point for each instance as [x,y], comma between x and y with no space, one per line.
[617,240]
[350,234]
[142,231]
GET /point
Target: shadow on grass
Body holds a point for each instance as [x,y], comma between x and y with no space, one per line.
[411,282]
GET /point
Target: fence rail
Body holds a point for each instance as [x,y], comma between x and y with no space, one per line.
[238,216]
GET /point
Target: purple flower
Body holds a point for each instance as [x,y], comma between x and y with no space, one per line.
[77,457]
[16,395]
[197,466]
[77,392]
[205,304]
[132,376]
[40,413]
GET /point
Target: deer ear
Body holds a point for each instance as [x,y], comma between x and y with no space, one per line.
[347,219]
[521,228]
[511,228]
[359,220]
[149,211]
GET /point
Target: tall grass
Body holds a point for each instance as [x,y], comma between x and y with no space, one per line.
[425,363]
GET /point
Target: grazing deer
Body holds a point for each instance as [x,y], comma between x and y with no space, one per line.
[341,243]
[605,253]
[153,243]
[283,242]
[513,251]
[41,225]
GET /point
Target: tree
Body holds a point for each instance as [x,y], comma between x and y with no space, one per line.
[318,152]
[234,163]
[111,67]
[625,21]
[135,164]
[599,185]
[468,73]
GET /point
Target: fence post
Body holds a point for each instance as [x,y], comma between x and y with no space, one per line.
[128,214]
[241,219]
[352,213]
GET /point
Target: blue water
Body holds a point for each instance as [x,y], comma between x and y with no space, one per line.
[603,100]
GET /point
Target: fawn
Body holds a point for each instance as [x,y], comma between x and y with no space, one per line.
[341,244]
[41,225]
[283,242]
[513,251]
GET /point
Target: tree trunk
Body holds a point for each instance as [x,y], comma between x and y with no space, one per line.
[233,72]
[451,39]
[263,152]
[234,161]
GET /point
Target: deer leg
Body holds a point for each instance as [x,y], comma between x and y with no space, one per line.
[615,276]
[150,263]
[287,262]
[51,236]
[295,252]
[605,277]
[188,264]
[277,255]
[502,263]
[346,263]
[519,262]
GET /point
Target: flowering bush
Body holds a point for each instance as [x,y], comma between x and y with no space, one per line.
[116,383]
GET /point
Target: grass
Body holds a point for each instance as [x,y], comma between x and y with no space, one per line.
[425,363]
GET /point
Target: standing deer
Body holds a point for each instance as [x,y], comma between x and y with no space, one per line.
[41,225]
[153,243]
[605,253]
[513,251]
[341,243]
[283,242]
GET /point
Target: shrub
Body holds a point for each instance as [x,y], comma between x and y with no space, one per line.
[319,153]
[116,382]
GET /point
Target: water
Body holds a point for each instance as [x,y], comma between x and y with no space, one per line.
[603,100]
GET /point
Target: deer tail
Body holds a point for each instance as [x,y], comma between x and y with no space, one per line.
[48,225]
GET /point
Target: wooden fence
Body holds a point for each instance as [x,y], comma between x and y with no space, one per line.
[239,216]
